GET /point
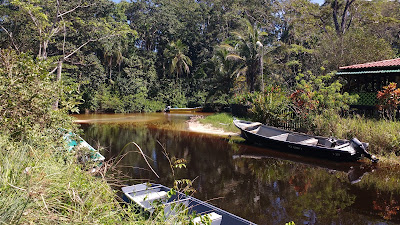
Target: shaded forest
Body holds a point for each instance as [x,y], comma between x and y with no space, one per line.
[140,56]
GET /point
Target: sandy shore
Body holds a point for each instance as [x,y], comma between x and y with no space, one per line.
[195,126]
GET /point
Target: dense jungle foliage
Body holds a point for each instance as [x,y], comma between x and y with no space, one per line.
[139,56]
[142,55]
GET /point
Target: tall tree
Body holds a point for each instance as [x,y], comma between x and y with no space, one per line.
[179,62]
[56,22]
[247,52]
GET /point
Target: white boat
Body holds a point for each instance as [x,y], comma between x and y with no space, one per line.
[76,142]
[147,196]
[183,110]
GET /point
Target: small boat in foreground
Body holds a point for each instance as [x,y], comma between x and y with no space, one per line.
[183,110]
[147,195]
[75,142]
[298,143]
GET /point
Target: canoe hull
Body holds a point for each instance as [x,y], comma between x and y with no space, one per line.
[194,205]
[317,151]
[183,110]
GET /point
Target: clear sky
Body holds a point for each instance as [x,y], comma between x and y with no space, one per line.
[320,2]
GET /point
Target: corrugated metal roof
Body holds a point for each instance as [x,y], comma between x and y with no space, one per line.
[367,72]
[384,63]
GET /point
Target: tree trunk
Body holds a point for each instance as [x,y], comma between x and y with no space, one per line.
[58,79]
[344,24]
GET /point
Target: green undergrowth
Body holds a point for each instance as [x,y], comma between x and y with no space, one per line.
[42,183]
[220,120]
[382,135]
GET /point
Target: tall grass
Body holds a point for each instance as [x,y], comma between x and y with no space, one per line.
[42,183]
[383,136]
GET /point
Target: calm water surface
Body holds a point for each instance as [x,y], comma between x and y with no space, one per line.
[261,185]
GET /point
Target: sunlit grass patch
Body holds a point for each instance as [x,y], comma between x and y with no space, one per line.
[220,120]
[383,136]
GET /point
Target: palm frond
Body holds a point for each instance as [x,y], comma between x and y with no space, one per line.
[227,47]
[234,57]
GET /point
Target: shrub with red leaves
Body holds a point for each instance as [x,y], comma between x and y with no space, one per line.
[388,100]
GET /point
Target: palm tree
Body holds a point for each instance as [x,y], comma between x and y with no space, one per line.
[247,52]
[224,72]
[112,54]
[179,62]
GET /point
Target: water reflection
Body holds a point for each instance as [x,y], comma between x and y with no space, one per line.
[266,187]
[354,171]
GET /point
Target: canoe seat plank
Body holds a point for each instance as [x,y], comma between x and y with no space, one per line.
[247,126]
[214,218]
[145,200]
[310,141]
[342,146]
[280,137]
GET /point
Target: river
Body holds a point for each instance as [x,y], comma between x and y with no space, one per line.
[260,185]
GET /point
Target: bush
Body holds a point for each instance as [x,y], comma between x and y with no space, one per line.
[388,101]
[27,96]
[272,107]
[318,95]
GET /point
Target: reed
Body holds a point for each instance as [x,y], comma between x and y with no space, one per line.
[382,135]
[41,183]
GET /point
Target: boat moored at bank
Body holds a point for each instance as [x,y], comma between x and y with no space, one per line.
[147,195]
[303,144]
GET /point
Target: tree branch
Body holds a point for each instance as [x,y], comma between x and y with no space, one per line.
[344,15]
[81,46]
[334,15]
[10,35]
[322,21]
[91,40]
[72,10]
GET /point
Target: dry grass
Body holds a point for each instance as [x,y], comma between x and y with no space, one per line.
[382,135]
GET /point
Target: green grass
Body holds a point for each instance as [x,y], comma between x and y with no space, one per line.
[220,120]
[383,136]
[41,183]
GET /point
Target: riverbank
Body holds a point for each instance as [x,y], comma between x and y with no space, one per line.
[196,124]
[383,136]
[43,183]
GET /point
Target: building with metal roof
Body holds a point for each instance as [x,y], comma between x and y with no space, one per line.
[368,78]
